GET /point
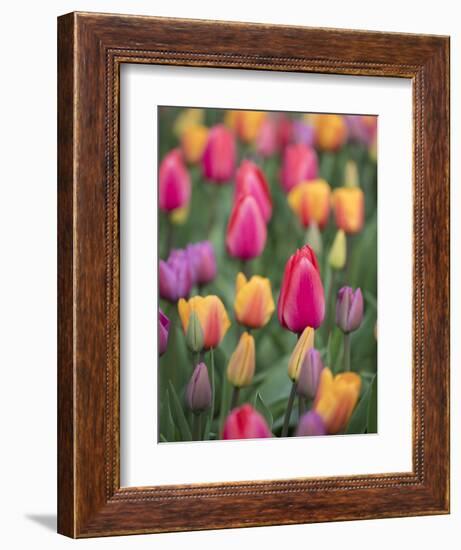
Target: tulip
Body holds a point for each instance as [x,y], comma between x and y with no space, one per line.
[338,251]
[180,215]
[230,119]
[310,424]
[203,262]
[303,133]
[301,302]
[174,182]
[362,128]
[245,423]
[254,304]
[218,159]
[351,174]
[187,118]
[331,132]
[163,330]
[193,141]
[349,309]
[241,367]
[303,345]
[336,399]
[248,124]
[175,276]
[198,391]
[349,208]
[284,131]
[299,164]
[211,314]
[194,334]
[267,140]
[250,180]
[309,374]
[246,231]
[310,201]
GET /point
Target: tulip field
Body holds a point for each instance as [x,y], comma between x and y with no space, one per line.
[267,274]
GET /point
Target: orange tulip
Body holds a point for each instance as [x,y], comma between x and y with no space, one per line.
[248,124]
[330,131]
[254,304]
[193,141]
[349,207]
[212,317]
[310,200]
[336,398]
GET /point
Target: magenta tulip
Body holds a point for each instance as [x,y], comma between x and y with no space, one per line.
[301,302]
[175,276]
[267,139]
[250,180]
[246,230]
[218,160]
[311,423]
[299,164]
[174,182]
[163,330]
[245,423]
[202,262]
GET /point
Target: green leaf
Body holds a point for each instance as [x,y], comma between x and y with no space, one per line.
[169,423]
[264,410]
[178,412]
[358,422]
[163,439]
[372,427]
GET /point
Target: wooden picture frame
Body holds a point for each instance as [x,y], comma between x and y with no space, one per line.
[92,48]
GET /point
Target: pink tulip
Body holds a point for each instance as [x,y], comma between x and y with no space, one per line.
[266,141]
[301,302]
[250,180]
[163,330]
[174,182]
[246,230]
[245,423]
[218,160]
[299,164]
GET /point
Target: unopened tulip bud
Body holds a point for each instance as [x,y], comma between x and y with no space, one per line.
[349,207]
[338,251]
[351,174]
[246,232]
[193,141]
[303,345]
[349,309]
[309,374]
[163,330]
[245,423]
[194,333]
[253,304]
[198,392]
[241,367]
[310,424]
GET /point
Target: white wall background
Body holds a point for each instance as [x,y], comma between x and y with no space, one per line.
[28,271]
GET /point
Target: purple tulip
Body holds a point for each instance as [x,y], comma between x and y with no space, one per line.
[311,423]
[198,391]
[309,374]
[202,261]
[362,128]
[175,276]
[349,309]
[303,133]
[163,329]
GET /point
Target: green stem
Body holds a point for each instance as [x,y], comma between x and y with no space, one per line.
[197,427]
[286,421]
[169,236]
[330,302]
[235,397]
[347,353]
[212,385]
[245,268]
[347,272]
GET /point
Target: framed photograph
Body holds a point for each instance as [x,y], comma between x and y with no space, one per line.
[253,275]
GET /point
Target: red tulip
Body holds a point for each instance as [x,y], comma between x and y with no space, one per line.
[245,423]
[250,180]
[246,230]
[218,160]
[174,182]
[301,302]
[299,164]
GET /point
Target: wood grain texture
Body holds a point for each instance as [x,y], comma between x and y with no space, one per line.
[91,49]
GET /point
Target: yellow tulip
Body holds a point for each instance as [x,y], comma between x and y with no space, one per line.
[186,118]
[303,345]
[211,314]
[230,119]
[179,216]
[193,141]
[254,304]
[241,367]
[336,398]
[248,124]
[337,255]
[310,200]
[349,207]
[351,174]
[331,131]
